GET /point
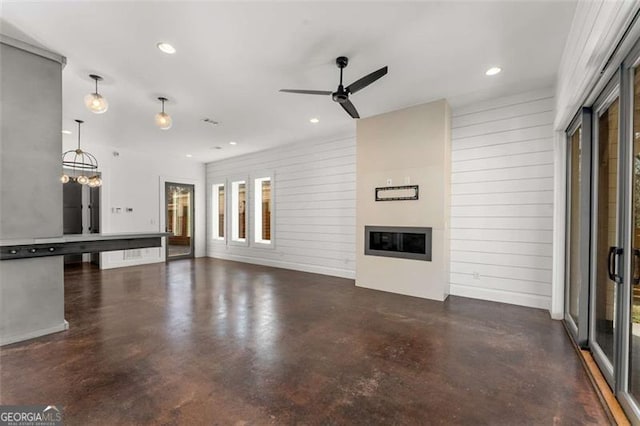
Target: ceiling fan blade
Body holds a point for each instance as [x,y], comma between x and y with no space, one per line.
[366,80]
[307,92]
[351,110]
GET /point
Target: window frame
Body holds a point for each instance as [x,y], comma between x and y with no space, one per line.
[215,208]
[257,195]
[232,211]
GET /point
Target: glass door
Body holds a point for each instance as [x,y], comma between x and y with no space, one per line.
[633,283]
[179,220]
[605,243]
[628,292]
[578,224]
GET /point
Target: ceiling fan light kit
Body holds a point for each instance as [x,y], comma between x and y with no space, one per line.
[341,95]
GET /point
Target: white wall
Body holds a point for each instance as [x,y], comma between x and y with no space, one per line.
[314,208]
[596,28]
[502,199]
[136,180]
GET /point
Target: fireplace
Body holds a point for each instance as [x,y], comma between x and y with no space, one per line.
[398,241]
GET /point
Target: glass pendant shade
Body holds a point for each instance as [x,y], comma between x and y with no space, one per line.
[95,181]
[82,179]
[96,103]
[64,178]
[163,120]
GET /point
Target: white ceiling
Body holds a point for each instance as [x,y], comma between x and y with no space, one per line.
[233,57]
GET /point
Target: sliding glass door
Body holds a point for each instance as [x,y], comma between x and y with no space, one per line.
[630,345]
[602,287]
[614,332]
[634,239]
[577,229]
[605,244]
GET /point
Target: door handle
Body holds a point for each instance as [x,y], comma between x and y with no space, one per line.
[614,253]
[636,266]
[610,263]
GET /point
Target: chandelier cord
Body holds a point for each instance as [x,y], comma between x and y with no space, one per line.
[79,131]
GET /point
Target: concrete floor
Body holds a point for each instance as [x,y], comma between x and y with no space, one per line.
[215,342]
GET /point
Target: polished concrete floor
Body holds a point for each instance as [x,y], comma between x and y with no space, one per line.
[175,250]
[215,342]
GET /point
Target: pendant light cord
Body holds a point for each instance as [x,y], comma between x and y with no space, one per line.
[79,135]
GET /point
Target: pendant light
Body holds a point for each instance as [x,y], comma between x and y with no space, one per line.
[82,165]
[95,102]
[163,120]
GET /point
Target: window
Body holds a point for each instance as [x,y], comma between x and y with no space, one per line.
[238,211]
[217,211]
[262,210]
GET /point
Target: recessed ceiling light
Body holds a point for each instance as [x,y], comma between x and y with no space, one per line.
[314,120]
[166,48]
[189,155]
[66,132]
[493,71]
[233,143]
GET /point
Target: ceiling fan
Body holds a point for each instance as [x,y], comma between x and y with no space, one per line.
[341,95]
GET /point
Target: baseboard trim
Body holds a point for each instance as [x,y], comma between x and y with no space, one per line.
[521,299]
[33,334]
[125,263]
[333,272]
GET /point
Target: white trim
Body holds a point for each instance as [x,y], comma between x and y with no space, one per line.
[528,300]
[559,224]
[19,44]
[257,211]
[162,226]
[214,211]
[136,262]
[33,334]
[232,211]
[334,272]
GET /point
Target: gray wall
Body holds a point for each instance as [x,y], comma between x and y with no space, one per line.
[31,290]
[31,120]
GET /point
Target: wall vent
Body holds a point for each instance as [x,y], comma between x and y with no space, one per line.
[132,254]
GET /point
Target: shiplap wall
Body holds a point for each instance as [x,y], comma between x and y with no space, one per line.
[314,209]
[596,28]
[502,199]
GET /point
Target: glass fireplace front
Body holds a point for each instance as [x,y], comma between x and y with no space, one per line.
[398,241]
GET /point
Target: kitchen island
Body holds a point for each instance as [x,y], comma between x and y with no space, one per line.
[32,278]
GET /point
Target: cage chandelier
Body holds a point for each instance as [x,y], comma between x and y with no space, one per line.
[82,166]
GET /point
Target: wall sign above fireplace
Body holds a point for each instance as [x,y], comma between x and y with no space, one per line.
[397,193]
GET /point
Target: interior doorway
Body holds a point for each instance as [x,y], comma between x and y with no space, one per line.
[179,209]
[81,215]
